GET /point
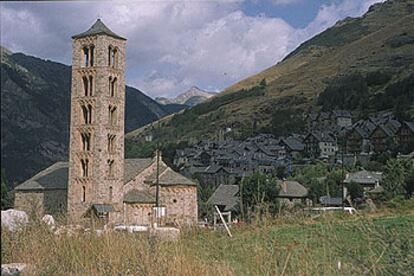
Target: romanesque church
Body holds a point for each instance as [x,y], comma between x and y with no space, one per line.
[98,182]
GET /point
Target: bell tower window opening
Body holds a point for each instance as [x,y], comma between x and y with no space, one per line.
[85,57]
[92,49]
[112,115]
[111,143]
[111,168]
[109,55]
[85,167]
[90,114]
[86,141]
[85,86]
[113,57]
[113,86]
[91,86]
[87,114]
[83,193]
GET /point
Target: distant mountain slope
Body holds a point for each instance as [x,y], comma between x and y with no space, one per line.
[365,64]
[35,106]
[191,97]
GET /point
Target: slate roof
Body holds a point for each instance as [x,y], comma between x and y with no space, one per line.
[136,196]
[291,189]
[133,167]
[103,208]
[226,195]
[292,143]
[168,177]
[364,177]
[97,29]
[364,128]
[410,125]
[321,137]
[55,177]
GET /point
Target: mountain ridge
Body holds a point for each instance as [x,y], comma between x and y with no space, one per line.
[191,97]
[377,44]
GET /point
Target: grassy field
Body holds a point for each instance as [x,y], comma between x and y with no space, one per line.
[294,246]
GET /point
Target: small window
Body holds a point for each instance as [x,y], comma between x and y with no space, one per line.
[110,168]
[86,141]
[83,193]
[89,113]
[113,87]
[91,86]
[112,115]
[86,56]
[109,55]
[110,193]
[111,143]
[113,57]
[174,200]
[85,167]
[92,49]
[85,114]
[85,86]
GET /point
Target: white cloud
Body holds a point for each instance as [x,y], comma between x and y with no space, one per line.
[171,45]
[285,2]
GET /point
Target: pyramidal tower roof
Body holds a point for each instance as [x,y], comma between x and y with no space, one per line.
[97,29]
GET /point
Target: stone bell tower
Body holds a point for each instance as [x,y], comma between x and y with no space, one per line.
[96,149]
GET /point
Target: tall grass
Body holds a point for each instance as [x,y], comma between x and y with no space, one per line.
[299,246]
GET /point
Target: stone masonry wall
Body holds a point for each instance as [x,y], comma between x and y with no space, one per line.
[39,203]
[96,186]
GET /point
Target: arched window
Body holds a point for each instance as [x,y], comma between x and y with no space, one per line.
[83,193]
[109,55]
[91,86]
[110,193]
[113,87]
[112,115]
[85,167]
[113,57]
[90,114]
[92,54]
[86,141]
[85,86]
[86,57]
[85,114]
[111,143]
[110,168]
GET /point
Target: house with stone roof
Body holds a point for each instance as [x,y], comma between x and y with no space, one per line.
[98,182]
[227,198]
[367,179]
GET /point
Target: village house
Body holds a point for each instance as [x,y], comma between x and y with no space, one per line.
[405,136]
[320,145]
[383,135]
[291,192]
[98,183]
[367,179]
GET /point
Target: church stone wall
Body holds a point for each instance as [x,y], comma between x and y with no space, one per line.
[181,204]
[39,203]
[138,213]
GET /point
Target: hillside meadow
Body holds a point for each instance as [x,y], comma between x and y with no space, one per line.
[330,244]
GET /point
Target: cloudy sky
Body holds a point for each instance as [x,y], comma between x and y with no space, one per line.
[173,45]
